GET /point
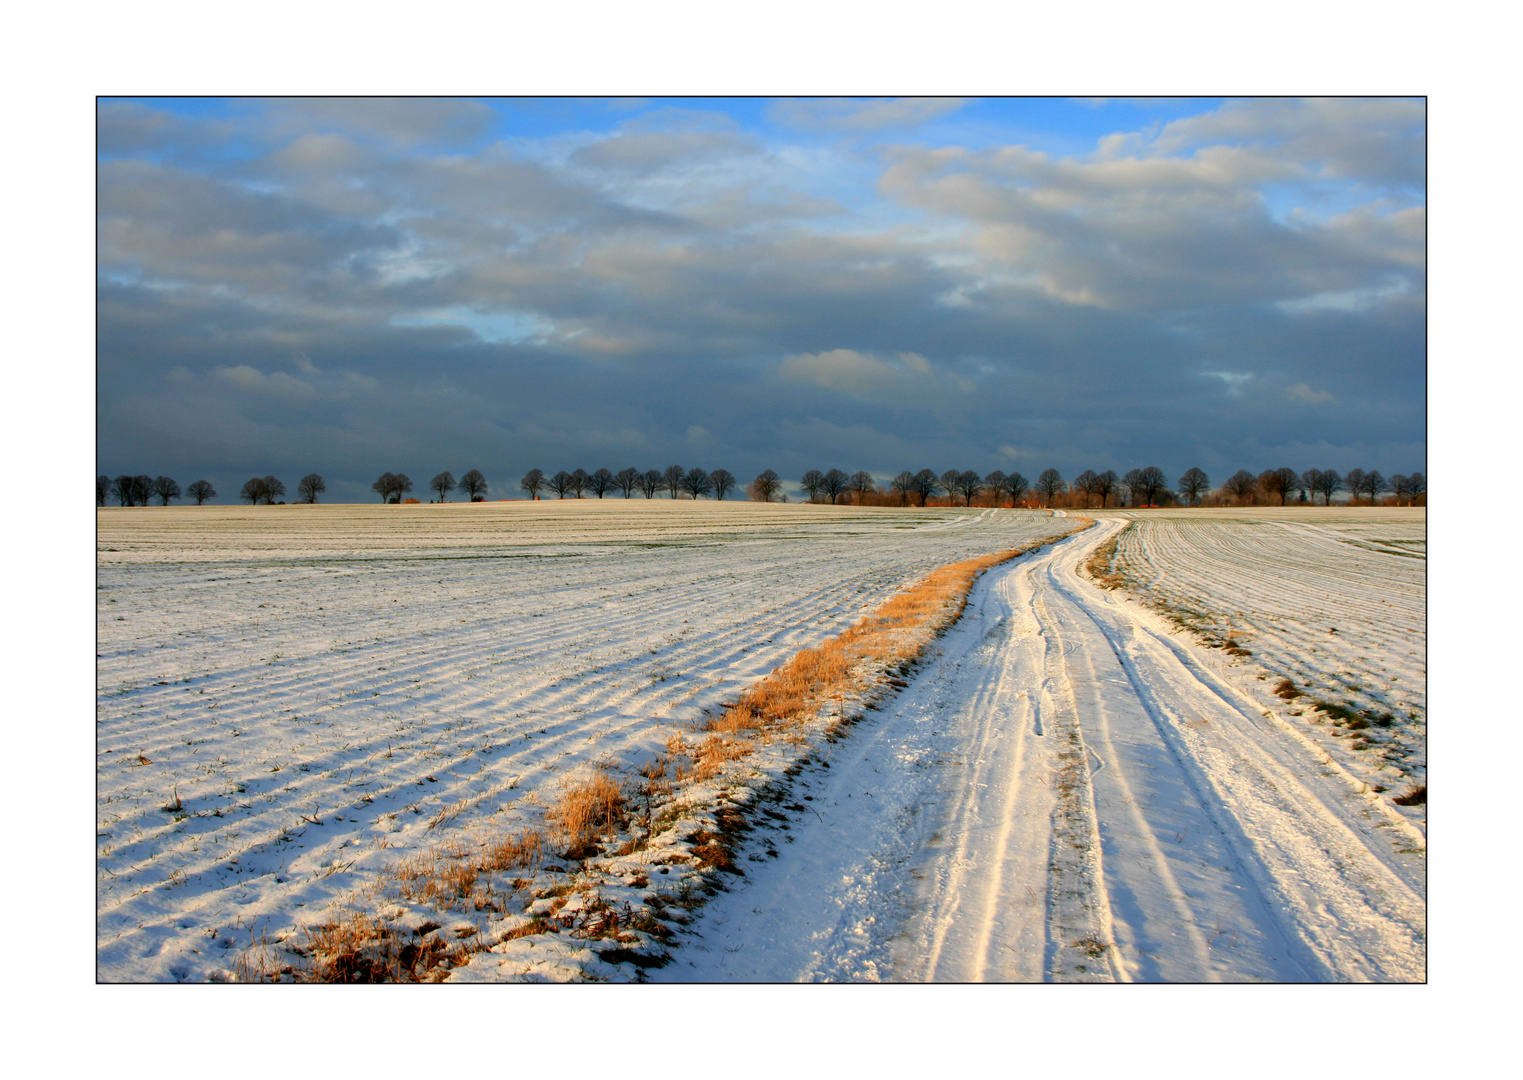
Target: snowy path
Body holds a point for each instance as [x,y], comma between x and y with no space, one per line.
[293,698]
[1068,792]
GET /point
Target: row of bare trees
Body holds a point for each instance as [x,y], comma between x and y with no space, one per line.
[1150,487]
[392,486]
[1278,484]
[1138,487]
[1147,486]
[139,490]
[675,481]
[265,490]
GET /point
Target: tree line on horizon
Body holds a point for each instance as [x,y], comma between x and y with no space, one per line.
[1137,488]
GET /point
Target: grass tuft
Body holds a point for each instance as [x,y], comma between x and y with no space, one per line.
[586,812]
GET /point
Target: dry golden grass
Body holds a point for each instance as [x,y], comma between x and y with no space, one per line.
[795,693]
[1100,565]
[524,850]
[586,812]
[356,946]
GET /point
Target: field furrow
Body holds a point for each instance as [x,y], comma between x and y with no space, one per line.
[1334,601]
[291,698]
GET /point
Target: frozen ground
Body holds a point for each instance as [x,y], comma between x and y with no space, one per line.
[290,698]
[1333,599]
[1075,790]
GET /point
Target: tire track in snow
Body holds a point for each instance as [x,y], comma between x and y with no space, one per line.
[369,667]
[1314,898]
[1178,836]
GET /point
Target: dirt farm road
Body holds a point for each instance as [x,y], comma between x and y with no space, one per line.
[1071,791]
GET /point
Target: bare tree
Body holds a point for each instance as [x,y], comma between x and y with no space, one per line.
[672,478]
[253,491]
[1085,484]
[650,483]
[765,487]
[1324,482]
[861,483]
[1016,484]
[560,483]
[201,490]
[995,484]
[1354,481]
[696,482]
[1106,484]
[385,485]
[1153,484]
[968,485]
[444,483]
[1049,484]
[834,483]
[1277,482]
[1287,480]
[1131,484]
[601,482]
[1399,488]
[533,480]
[142,489]
[1242,486]
[1417,488]
[903,485]
[579,481]
[1373,485]
[722,480]
[165,489]
[121,490]
[403,486]
[950,484]
[811,482]
[628,480]
[102,489]
[309,487]
[474,484]
[926,485]
[1311,479]
[1193,484]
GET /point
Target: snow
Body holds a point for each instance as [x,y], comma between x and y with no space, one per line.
[1076,784]
[1334,599]
[326,690]
[1074,789]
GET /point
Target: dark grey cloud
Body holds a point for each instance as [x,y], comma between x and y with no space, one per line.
[645,153]
[400,123]
[856,116]
[130,127]
[351,294]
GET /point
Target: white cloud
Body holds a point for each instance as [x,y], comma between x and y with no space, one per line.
[278,384]
[907,379]
[1016,453]
[1347,299]
[1303,392]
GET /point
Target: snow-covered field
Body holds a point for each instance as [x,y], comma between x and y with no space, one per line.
[1335,600]
[1074,790]
[292,698]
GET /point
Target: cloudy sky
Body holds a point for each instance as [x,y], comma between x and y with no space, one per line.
[355,286]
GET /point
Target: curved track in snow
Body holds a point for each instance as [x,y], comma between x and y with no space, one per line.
[1068,793]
